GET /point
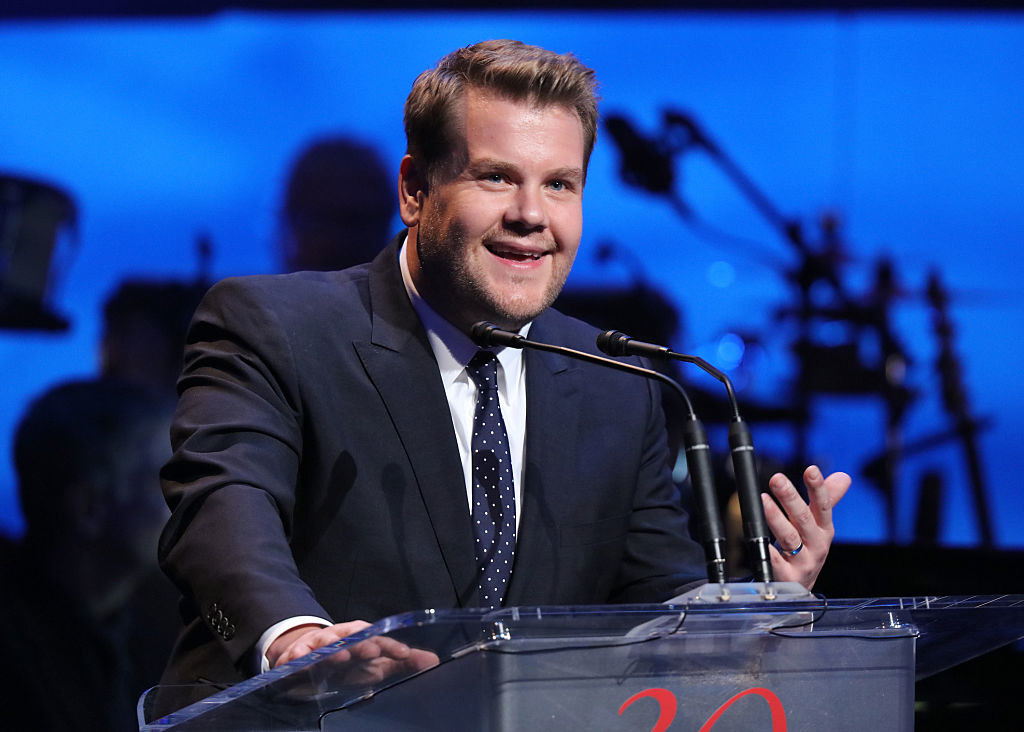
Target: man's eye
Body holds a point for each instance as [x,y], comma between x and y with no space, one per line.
[495,178]
[558,185]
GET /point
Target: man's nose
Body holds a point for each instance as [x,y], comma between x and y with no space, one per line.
[527,209]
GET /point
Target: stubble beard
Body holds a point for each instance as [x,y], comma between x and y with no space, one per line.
[468,294]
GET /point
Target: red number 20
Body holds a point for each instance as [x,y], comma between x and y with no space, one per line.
[667,704]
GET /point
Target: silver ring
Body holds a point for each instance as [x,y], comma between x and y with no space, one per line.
[795,551]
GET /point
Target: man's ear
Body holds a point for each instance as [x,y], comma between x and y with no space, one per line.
[412,187]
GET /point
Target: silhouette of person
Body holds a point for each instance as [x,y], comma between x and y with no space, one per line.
[86,620]
[338,206]
[144,324]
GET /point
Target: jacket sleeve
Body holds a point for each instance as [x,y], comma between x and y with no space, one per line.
[231,482]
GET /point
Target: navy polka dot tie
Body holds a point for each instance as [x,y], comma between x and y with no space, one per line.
[494,497]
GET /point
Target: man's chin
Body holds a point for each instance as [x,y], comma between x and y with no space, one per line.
[514,318]
[507,311]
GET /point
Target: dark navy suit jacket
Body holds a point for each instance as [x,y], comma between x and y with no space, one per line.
[316,470]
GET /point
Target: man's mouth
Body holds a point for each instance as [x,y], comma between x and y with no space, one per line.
[514,254]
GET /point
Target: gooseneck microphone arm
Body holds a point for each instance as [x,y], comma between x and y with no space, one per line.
[755,526]
[698,457]
[617,343]
[486,335]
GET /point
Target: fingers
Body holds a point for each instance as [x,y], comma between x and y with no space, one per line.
[784,532]
[379,658]
[786,566]
[798,525]
[419,660]
[378,647]
[315,638]
[824,493]
[782,568]
[303,646]
[806,527]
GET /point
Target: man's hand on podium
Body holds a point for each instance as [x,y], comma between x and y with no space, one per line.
[367,661]
[803,531]
[302,639]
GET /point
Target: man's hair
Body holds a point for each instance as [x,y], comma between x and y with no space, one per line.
[510,69]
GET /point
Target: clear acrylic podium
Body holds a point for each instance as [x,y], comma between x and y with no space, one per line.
[805,664]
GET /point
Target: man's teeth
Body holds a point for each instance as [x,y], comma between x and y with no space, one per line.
[508,254]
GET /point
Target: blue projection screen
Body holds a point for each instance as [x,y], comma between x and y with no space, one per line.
[906,129]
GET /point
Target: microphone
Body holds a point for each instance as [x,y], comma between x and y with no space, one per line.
[487,335]
[698,456]
[755,528]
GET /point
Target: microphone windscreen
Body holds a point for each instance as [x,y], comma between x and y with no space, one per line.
[481,333]
[488,335]
[613,342]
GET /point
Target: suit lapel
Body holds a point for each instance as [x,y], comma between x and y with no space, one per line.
[401,365]
[552,426]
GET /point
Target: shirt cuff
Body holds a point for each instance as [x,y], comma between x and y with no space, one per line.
[276,630]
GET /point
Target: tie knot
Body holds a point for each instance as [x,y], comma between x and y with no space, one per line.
[483,370]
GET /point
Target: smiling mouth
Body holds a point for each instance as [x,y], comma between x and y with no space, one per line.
[514,255]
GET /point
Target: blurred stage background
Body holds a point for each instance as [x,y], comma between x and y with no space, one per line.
[888,136]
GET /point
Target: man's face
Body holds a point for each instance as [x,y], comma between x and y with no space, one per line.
[495,236]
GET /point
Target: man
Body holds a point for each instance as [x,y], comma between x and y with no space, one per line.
[324,473]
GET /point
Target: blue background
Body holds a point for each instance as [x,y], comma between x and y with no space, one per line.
[908,126]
